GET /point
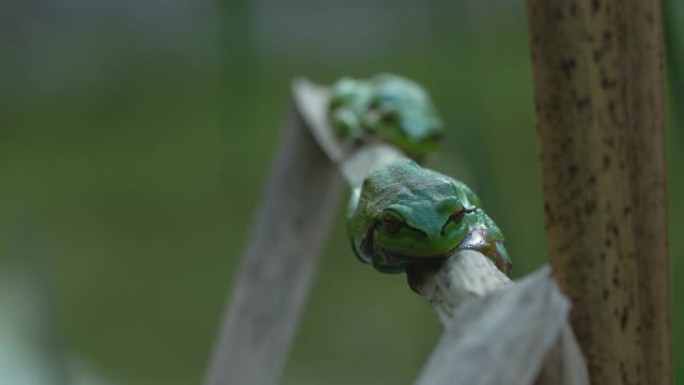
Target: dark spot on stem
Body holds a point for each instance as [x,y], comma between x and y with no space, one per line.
[568,65]
[590,207]
[607,83]
[558,14]
[582,103]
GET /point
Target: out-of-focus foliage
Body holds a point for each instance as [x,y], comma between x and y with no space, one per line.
[136,136]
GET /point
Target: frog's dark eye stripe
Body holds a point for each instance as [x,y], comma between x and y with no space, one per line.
[374,105]
[437,136]
[388,116]
[391,224]
[457,216]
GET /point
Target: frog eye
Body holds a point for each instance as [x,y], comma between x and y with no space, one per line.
[374,105]
[388,116]
[458,215]
[391,223]
[436,137]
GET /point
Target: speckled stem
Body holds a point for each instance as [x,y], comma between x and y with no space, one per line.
[598,77]
[464,275]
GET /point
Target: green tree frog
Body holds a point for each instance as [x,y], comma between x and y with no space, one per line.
[389,107]
[404,214]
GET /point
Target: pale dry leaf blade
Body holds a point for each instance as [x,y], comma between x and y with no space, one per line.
[501,338]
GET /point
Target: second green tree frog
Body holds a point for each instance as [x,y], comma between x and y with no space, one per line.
[388,107]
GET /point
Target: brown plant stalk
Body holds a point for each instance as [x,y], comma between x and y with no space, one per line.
[599,93]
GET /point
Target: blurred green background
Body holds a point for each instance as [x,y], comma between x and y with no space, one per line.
[135,141]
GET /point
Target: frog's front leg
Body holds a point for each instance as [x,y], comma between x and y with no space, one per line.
[484,240]
[359,244]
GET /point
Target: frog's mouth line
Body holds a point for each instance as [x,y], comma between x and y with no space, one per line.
[394,257]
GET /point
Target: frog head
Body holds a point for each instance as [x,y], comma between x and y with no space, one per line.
[418,233]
